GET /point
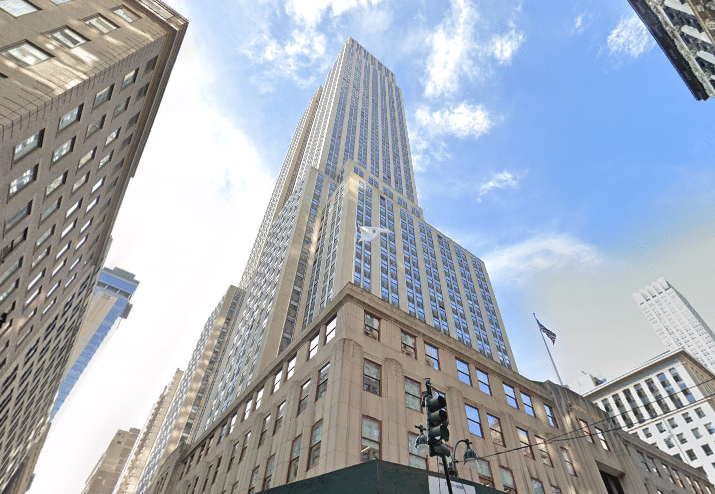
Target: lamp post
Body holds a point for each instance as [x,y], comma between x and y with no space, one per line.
[469,459]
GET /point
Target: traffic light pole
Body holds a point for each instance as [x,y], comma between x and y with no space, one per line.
[426,396]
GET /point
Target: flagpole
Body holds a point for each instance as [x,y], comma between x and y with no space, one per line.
[548,351]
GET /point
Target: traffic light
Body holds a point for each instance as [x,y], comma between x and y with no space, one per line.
[437,422]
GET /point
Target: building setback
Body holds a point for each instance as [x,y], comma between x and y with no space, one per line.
[108,304]
[106,472]
[676,322]
[81,83]
[685,30]
[668,401]
[334,338]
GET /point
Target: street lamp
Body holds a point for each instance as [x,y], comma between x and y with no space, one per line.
[421,443]
[470,458]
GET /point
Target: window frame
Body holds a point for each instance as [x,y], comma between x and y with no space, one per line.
[525,442]
[25,152]
[507,388]
[405,346]
[418,397]
[429,358]
[363,458]
[330,329]
[322,386]
[543,451]
[369,330]
[528,404]
[24,180]
[34,50]
[369,387]
[27,4]
[461,373]
[497,434]
[470,421]
[96,25]
[66,30]
[294,460]
[315,445]
[313,345]
[69,123]
[303,400]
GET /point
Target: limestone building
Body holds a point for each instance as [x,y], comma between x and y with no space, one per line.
[339,328]
[669,402]
[676,322]
[106,472]
[81,83]
[685,30]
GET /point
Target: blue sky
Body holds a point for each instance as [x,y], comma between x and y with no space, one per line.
[556,143]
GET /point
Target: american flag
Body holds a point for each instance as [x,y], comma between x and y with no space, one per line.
[550,334]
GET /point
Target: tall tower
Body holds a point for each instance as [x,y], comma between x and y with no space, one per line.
[106,471]
[347,166]
[676,322]
[81,84]
[109,304]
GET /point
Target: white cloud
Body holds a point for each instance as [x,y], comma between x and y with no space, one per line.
[630,38]
[579,24]
[515,264]
[311,12]
[463,45]
[504,46]
[463,120]
[500,180]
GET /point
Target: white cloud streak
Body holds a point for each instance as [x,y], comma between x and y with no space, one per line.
[515,264]
[630,38]
[463,120]
[462,46]
[500,180]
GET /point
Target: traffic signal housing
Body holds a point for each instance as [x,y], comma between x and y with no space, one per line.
[437,421]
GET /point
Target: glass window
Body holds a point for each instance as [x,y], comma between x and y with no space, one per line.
[26,54]
[408,345]
[602,438]
[101,24]
[372,326]
[133,121]
[10,271]
[322,382]
[50,209]
[22,181]
[294,458]
[463,372]
[431,356]
[483,379]
[16,8]
[270,467]
[130,78]
[485,473]
[142,91]
[103,96]
[524,441]
[330,329]
[111,137]
[567,461]
[303,403]
[585,430]
[370,439]
[543,452]
[507,480]
[69,38]
[69,118]
[528,405]
[264,430]
[96,186]
[125,14]
[105,160]
[538,486]
[313,347]
[151,64]
[279,417]
[251,485]
[92,204]
[417,460]
[550,415]
[74,208]
[699,412]
[27,146]
[291,367]
[371,377]
[510,396]
[473,420]
[495,427]
[95,126]
[86,158]
[413,395]
[18,216]
[316,436]
[277,380]
[696,433]
[79,183]
[63,150]
[121,108]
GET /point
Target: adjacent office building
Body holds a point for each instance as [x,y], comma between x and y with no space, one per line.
[669,402]
[676,322]
[81,83]
[182,414]
[109,304]
[106,472]
[338,329]
[685,30]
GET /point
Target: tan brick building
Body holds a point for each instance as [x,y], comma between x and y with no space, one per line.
[80,85]
[106,472]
